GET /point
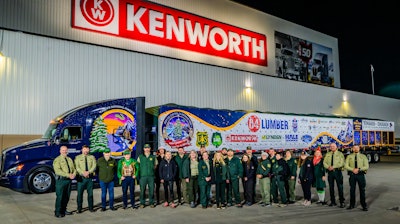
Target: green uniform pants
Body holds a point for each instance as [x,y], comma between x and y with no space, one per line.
[192,188]
[233,190]
[144,182]
[265,188]
[360,180]
[63,191]
[290,189]
[335,175]
[278,184]
[85,184]
[204,194]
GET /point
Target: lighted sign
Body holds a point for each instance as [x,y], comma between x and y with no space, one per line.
[161,25]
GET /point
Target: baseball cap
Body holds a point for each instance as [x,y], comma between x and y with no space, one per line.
[248,147]
[126,152]
[305,153]
[146,146]
[107,150]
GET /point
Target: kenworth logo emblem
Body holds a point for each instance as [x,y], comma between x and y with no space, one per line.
[161,25]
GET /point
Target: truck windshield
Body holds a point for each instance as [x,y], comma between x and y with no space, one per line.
[50,131]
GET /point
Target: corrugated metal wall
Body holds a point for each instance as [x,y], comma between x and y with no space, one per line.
[42,77]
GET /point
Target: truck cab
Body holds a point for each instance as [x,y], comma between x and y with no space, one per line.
[112,124]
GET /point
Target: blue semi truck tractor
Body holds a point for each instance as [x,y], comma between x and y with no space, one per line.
[115,124]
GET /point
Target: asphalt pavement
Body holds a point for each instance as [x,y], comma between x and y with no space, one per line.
[383,199]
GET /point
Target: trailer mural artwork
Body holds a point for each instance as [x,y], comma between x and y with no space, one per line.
[237,130]
[115,129]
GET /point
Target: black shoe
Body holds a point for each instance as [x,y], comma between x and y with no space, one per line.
[91,210]
[332,204]
[104,209]
[365,209]
[124,207]
[192,205]
[68,213]
[203,207]
[59,215]
[342,205]
[350,207]
[291,202]
[113,209]
[79,211]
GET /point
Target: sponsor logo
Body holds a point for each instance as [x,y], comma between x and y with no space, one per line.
[291,138]
[177,130]
[306,138]
[216,139]
[274,124]
[202,138]
[242,138]
[272,138]
[254,123]
[294,125]
[153,23]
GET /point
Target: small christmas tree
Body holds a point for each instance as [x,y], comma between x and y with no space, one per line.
[98,136]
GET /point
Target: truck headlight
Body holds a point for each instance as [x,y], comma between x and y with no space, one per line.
[14,170]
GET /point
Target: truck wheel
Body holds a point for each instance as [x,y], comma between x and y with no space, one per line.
[376,157]
[41,181]
[369,157]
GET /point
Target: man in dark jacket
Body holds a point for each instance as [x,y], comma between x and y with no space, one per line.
[254,161]
[167,173]
[235,172]
[107,167]
[279,172]
[180,181]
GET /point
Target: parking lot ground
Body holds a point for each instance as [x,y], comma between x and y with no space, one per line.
[383,199]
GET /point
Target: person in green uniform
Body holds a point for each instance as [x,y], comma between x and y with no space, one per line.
[204,179]
[264,175]
[180,181]
[65,172]
[279,172]
[272,159]
[319,176]
[220,176]
[290,182]
[85,165]
[106,168]
[190,172]
[334,162]
[147,166]
[357,166]
[128,170]
[235,172]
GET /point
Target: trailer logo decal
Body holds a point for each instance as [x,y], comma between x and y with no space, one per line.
[177,130]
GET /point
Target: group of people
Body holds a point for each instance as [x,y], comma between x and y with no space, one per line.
[195,172]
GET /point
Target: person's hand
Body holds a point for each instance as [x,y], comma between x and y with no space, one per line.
[259,176]
[122,178]
[208,179]
[245,178]
[162,181]
[187,180]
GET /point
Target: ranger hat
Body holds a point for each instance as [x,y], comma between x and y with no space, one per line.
[248,147]
[146,146]
[126,152]
[107,150]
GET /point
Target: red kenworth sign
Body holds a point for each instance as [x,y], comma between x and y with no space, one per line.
[162,25]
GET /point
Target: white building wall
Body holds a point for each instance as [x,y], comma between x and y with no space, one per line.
[42,77]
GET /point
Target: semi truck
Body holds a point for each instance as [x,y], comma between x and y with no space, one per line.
[126,124]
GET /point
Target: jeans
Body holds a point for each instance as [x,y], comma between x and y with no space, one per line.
[128,182]
[104,187]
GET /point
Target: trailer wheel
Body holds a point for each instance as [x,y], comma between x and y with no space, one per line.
[369,157]
[376,157]
[41,181]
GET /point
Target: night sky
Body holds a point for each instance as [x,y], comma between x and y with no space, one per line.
[367,31]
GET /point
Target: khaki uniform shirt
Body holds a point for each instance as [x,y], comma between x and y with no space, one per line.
[80,164]
[362,162]
[61,168]
[338,160]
